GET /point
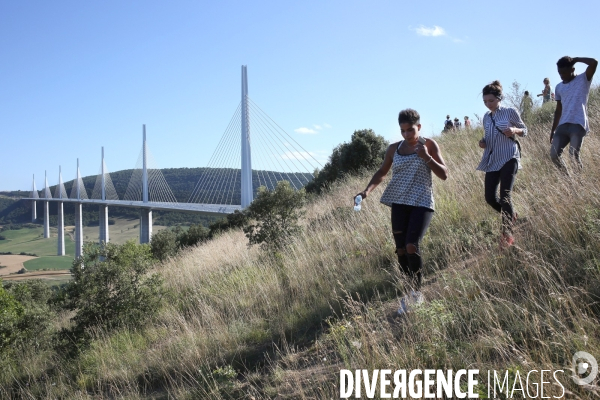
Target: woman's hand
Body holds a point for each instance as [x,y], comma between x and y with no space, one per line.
[482,143]
[510,132]
[422,152]
[363,194]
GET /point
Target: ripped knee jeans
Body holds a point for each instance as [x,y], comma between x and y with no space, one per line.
[409,224]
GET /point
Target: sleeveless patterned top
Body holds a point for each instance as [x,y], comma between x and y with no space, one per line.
[411,182]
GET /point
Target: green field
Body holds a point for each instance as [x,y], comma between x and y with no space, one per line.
[49,262]
[32,241]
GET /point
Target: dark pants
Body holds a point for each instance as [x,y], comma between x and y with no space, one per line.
[409,224]
[567,134]
[505,177]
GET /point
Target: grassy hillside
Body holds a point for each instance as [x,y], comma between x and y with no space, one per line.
[245,323]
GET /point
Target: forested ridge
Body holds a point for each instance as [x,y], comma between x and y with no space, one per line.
[181,181]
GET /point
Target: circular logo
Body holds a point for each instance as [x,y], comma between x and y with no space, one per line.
[585,367]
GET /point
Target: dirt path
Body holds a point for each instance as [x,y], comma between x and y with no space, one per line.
[13,263]
[38,275]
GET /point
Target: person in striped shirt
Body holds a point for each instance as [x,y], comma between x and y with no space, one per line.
[501,156]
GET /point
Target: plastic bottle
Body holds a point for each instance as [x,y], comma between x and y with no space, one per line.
[357,201]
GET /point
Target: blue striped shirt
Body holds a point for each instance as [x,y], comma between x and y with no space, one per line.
[498,148]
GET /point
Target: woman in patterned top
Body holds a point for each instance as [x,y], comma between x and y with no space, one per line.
[547,92]
[410,195]
[501,156]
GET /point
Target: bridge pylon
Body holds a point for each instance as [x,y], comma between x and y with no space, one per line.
[146,213]
[47,195]
[246,172]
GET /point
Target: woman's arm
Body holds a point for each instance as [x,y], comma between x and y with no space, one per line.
[518,126]
[430,152]
[381,172]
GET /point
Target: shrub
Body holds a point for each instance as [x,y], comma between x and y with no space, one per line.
[274,215]
[163,244]
[11,313]
[238,219]
[112,287]
[365,151]
[194,235]
[33,328]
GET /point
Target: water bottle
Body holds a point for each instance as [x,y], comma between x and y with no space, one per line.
[357,201]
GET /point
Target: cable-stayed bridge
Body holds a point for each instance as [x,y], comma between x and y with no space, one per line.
[228,183]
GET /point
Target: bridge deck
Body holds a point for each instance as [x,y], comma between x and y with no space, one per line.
[212,209]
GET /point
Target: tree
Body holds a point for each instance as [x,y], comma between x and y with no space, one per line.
[112,287]
[274,215]
[366,150]
[164,244]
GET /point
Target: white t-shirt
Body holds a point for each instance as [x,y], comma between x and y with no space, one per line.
[574,98]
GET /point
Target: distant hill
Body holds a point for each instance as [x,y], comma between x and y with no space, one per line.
[180,180]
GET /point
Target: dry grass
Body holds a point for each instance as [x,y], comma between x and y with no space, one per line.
[287,322]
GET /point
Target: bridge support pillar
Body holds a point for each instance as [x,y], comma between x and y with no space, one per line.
[146,226]
[46,220]
[78,231]
[103,224]
[61,230]
[33,211]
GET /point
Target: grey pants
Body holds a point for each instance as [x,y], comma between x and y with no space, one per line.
[565,134]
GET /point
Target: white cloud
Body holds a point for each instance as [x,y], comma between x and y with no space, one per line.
[305,131]
[318,127]
[326,125]
[435,31]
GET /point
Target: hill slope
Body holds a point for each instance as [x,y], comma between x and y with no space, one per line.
[244,323]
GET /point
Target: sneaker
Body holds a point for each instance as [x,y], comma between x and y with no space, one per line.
[403,309]
[417,297]
[406,302]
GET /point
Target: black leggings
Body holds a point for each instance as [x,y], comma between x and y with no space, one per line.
[409,224]
[505,177]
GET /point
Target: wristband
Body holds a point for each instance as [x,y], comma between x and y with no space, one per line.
[428,161]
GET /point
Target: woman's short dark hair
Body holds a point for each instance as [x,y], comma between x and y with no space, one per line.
[409,116]
[565,62]
[494,88]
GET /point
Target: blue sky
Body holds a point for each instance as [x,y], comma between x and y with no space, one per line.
[75,76]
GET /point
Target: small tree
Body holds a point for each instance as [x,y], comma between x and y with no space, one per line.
[274,215]
[11,312]
[112,287]
[194,235]
[163,244]
[365,151]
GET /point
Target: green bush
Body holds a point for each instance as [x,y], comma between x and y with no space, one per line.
[112,287]
[238,219]
[194,235]
[11,313]
[34,327]
[364,152]
[274,215]
[164,244]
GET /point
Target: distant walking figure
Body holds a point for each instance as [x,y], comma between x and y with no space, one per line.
[570,118]
[467,123]
[526,106]
[448,125]
[501,156]
[547,92]
[410,195]
[457,124]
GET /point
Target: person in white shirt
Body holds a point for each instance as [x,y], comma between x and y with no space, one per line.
[571,124]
